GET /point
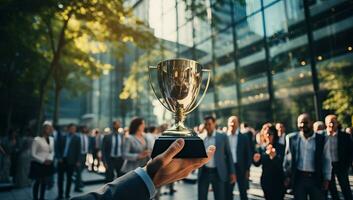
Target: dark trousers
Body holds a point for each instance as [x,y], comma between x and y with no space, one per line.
[207,176]
[114,164]
[273,192]
[306,185]
[78,180]
[342,176]
[68,169]
[39,185]
[242,184]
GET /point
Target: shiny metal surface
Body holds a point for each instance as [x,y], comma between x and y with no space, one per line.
[179,83]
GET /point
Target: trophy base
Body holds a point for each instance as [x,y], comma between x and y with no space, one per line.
[193,148]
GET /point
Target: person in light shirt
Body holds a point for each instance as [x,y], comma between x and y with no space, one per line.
[341,150]
[307,162]
[241,154]
[42,161]
[112,152]
[219,170]
[83,134]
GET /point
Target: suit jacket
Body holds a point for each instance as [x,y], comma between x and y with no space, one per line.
[345,150]
[92,144]
[244,152]
[127,187]
[132,149]
[251,142]
[107,146]
[58,144]
[74,151]
[223,157]
[272,172]
[292,154]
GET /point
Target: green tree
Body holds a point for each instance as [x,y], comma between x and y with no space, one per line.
[74,75]
[20,62]
[84,26]
[338,80]
[137,83]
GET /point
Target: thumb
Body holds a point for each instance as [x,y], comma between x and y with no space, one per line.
[173,150]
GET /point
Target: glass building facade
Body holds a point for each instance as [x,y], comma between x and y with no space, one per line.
[266,56]
[270,59]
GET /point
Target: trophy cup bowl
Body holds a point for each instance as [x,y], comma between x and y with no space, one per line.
[179,85]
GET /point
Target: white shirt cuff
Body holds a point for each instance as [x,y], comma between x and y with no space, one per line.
[148,181]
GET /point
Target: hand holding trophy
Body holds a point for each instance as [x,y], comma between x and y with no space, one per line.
[179,85]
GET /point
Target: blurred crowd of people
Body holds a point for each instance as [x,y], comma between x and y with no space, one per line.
[66,151]
[304,163]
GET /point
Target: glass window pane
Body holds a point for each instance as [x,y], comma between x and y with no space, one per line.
[202,29]
[183,14]
[224,44]
[221,14]
[155,15]
[249,34]
[168,5]
[333,47]
[289,60]
[203,52]
[185,37]
[169,22]
[245,8]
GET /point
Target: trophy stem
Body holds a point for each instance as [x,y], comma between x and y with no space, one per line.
[179,129]
[179,115]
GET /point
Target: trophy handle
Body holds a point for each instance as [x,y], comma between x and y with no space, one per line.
[204,92]
[154,91]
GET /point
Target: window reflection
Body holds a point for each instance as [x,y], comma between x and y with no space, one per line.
[244,52]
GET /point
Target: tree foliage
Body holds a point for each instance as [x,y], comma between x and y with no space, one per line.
[137,83]
[60,42]
[338,79]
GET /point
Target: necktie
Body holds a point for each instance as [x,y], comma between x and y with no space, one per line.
[116,144]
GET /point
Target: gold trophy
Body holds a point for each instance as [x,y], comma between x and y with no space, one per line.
[179,85]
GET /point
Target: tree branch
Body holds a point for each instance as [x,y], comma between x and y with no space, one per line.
[57,53]
[51,35]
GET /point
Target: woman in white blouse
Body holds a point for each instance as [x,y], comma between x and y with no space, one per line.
[42,161]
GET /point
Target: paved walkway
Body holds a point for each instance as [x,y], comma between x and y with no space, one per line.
[184,190]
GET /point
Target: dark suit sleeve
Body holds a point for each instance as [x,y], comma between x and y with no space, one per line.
[349,149]
[229,157]
[128,187]
[58,146]
[247,153]
[78,149]
[105,149]
[287,161]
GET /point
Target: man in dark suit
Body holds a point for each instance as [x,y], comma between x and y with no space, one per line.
[83,134]
[68,159]
[241,154]
[219,170]
[307,161]
[341,149]
[141,183]
[113,152]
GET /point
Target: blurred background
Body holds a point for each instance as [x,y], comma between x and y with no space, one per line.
[83,63]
